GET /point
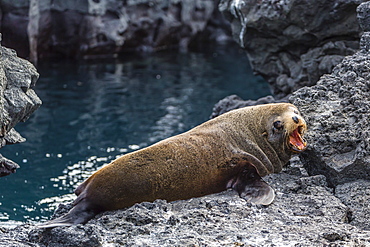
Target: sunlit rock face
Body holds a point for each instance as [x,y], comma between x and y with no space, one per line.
[291,43]
[89,28]
[17,100]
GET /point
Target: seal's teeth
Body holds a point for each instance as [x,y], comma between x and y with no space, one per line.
[296,141]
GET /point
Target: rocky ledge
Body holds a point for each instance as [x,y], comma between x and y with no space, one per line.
[291,43]
[305,213]
[17,100]
[338,110]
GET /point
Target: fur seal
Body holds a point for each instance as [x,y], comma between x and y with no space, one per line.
[233,150]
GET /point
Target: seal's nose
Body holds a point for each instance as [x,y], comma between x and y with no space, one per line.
[295,119]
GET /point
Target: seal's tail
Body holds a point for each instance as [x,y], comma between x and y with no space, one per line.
[79,214]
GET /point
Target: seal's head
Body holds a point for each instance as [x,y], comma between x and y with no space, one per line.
[286,126]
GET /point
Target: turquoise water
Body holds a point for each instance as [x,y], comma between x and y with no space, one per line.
[93,112]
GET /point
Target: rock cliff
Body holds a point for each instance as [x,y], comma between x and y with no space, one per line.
[17,100]
[291,43]
[90,28]
[337,109]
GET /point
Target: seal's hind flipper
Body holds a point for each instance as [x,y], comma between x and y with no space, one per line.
[61,221]
[79,214]
[252,188]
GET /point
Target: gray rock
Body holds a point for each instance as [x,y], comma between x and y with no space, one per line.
[337,110]
[291,43]
[305,213]
[7,166]
[356,195]
[234,102]
[17,100]
[363,16]
[365,42]
[91,28]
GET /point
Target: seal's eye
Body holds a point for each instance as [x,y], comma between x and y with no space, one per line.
[278,125]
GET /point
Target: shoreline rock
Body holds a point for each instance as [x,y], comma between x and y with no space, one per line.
[292,43]
[305,212]
[17,100]
[337,111]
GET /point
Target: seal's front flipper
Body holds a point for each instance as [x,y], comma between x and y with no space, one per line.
[252,188]
[257,192]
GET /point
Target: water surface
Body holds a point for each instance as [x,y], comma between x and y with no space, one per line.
[93,112]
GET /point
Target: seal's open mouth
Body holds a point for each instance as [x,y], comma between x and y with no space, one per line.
[295,140]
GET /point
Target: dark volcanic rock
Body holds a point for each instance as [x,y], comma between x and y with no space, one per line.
[17,100]
[356,196]
[107,27]
[292,43]
[337,110]
[363,16]
[234,102]
[305,213]
[7,166]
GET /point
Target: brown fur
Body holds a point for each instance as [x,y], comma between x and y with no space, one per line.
[199,162]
